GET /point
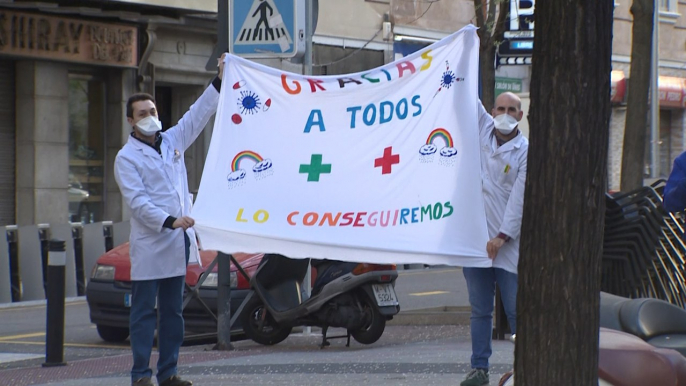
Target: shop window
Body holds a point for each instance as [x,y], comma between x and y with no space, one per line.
[333,60]
[668,6]
[668,11]
[86,148]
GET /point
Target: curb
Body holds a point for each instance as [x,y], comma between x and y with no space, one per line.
[40,302]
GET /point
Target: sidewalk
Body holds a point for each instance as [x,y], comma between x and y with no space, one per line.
[405,355]
[427,344]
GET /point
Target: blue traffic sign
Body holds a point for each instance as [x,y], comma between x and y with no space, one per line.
[266,28]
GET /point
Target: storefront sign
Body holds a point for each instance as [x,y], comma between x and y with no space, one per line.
[75,40]
[507,84]
[671,92]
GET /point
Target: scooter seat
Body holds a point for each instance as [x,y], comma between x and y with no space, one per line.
[609,310]
[626,360]
[277,281]
[275,269]
[650,318]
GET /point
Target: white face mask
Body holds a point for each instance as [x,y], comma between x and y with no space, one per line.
[149,125]
[505,123]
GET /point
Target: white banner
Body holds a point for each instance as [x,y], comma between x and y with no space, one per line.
[381,166]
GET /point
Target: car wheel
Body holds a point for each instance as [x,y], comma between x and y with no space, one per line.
[270,332]
[112,334]
[374,324]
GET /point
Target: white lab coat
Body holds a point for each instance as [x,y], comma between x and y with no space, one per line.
[503,175]
[155,186]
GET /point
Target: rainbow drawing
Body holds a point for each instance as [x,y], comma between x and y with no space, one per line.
[440,133]
[246,154]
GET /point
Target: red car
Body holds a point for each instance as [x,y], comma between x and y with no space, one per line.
[109,293]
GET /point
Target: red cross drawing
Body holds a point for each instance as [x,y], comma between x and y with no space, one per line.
[387,161]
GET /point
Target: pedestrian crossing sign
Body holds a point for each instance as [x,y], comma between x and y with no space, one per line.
[266,28]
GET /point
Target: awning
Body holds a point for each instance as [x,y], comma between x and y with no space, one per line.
[671,91]
[617,86]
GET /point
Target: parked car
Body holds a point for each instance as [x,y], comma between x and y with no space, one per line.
[109,293]
[78,200]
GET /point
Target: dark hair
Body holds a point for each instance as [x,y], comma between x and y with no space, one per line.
[141,96]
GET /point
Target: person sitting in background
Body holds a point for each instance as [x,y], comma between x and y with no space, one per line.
[675,190]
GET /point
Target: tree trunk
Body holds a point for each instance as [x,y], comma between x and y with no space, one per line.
[564,207]
[490,33]
[633,154]
[487,70]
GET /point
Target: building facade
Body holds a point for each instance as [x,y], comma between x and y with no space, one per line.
[671,90]
[66,73]
[62,82]
[65,76]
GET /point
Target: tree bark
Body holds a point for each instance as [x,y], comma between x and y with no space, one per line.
[490,33]
[633,153]
[564,206]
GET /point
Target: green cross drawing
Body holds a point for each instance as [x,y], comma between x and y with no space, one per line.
[315,168]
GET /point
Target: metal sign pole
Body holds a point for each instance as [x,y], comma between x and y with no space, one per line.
[309,31]
[222,34]
[654,100]
[309,25]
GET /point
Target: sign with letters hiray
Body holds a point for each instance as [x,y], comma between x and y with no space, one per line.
[266,28]
[377,166]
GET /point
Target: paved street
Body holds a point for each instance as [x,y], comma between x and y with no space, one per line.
[405,355]
[428,344]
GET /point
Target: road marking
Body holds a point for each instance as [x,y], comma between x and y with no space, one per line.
[35,334]
[427,271]
[123,347]
[12,339]
[429,293]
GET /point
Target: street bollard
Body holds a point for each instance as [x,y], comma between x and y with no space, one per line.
[13,249]
[108,232]
[54,339]
[77,235]
[223,303]
[44,237]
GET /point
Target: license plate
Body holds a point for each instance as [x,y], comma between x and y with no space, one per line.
[385,295]
[127,301]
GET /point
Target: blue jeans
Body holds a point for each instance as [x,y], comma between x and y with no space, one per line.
[143,319]
[481,287]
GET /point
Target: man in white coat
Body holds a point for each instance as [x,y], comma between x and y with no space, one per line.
[152,177]
[503,172]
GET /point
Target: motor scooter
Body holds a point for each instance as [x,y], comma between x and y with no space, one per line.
[359,297]
[627,360]
[642,342]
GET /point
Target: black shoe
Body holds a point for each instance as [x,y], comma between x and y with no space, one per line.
[145,381]
[175,380]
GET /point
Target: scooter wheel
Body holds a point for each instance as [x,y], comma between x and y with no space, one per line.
[374,325]
[270,332]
